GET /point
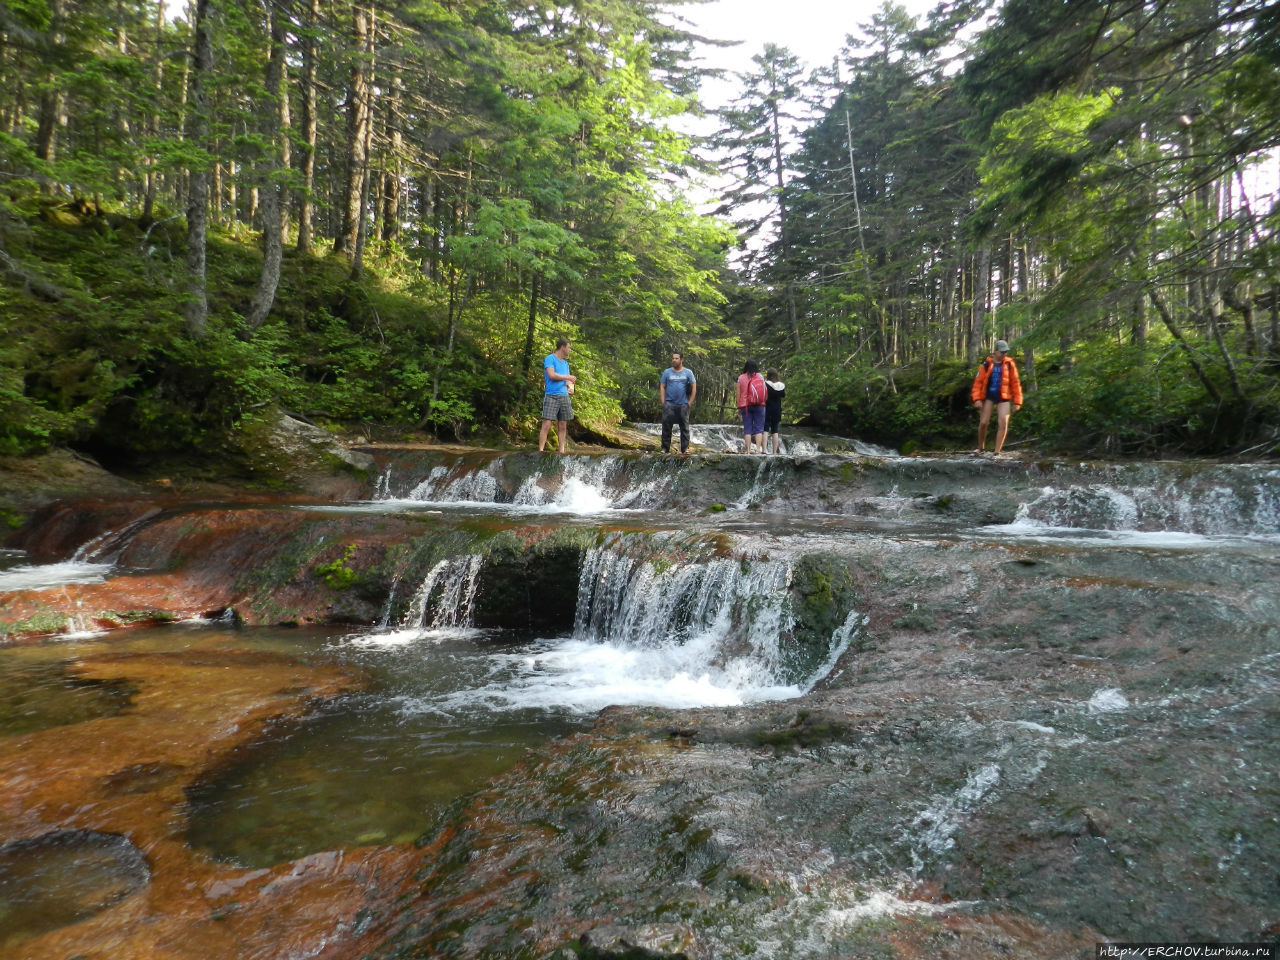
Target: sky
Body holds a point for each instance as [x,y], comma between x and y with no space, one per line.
[813,30]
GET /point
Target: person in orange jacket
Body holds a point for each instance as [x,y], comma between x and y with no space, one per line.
[996,387]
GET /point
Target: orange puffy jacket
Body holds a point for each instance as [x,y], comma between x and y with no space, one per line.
[1010,386]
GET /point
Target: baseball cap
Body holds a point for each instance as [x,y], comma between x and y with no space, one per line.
[1002,346]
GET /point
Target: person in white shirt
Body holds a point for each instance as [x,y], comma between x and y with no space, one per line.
[776,390]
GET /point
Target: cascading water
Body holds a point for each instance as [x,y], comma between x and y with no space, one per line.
[715,632]
[796,441]
[441,605]
[444,486]
[1214,509]
[40,576]
[446,596]
[93,562]
[582,487]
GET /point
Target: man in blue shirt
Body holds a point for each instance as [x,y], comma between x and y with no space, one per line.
[557,384]
[676,390]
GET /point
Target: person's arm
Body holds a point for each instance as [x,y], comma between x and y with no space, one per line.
[553,375]
[1015,385]
[693,391]
[662,389]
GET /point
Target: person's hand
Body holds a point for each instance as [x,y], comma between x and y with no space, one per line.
[1016,407]
[977,404]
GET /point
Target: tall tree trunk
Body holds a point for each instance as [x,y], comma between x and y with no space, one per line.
[182,188]
[309,127]
[391,169]
[198,192]
[535,291]
[273,134]
[358,103]
[1171,325]
[52,99]
[784,229]
[153,115]
[980,282]
[366,177]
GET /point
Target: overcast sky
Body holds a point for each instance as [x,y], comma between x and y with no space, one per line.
[813,30]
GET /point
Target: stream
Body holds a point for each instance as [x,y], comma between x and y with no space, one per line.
[512,602]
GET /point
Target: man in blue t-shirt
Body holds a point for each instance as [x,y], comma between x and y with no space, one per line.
[557,384]
[676,389]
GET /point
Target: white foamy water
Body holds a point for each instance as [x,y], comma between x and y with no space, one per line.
[581,676]
[44,575]
[576,485]
[442,486]
[727,438]
[1029,530]
[711,633]
[404,637]
[580,488]
[446,596]
[1110,700]
[1164,509]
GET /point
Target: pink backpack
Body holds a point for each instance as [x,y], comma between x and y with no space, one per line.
[755,391]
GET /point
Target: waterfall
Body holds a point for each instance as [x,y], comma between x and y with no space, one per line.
[796,441]
[445,599]
[1214,508]
[725,624]
[92,562]
[761,485]
[44,575]
[582,486]
[443,485]
[106,547]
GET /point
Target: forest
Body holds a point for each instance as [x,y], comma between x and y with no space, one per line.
[378,216]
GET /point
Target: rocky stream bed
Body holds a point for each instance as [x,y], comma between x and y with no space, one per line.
[959,708]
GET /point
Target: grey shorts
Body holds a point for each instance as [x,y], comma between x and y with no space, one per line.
[558,407]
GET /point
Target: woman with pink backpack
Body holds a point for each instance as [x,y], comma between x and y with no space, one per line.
[752,396]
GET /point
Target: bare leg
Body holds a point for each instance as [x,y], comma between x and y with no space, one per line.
[1002,424]
[984,419]
[562,431]
[542,435]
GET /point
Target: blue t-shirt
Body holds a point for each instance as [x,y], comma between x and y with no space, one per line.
[678,384]
[555,388]
[993,382]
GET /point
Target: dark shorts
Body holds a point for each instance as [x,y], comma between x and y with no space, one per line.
[753,420]
[557,407]
[772,420]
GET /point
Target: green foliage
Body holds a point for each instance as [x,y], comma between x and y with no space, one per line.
[885,406]
[1123,400]
[336,574]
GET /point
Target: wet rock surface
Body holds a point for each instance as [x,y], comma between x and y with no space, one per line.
[145,892]
[62,877]
[992,777]
[1029,745]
